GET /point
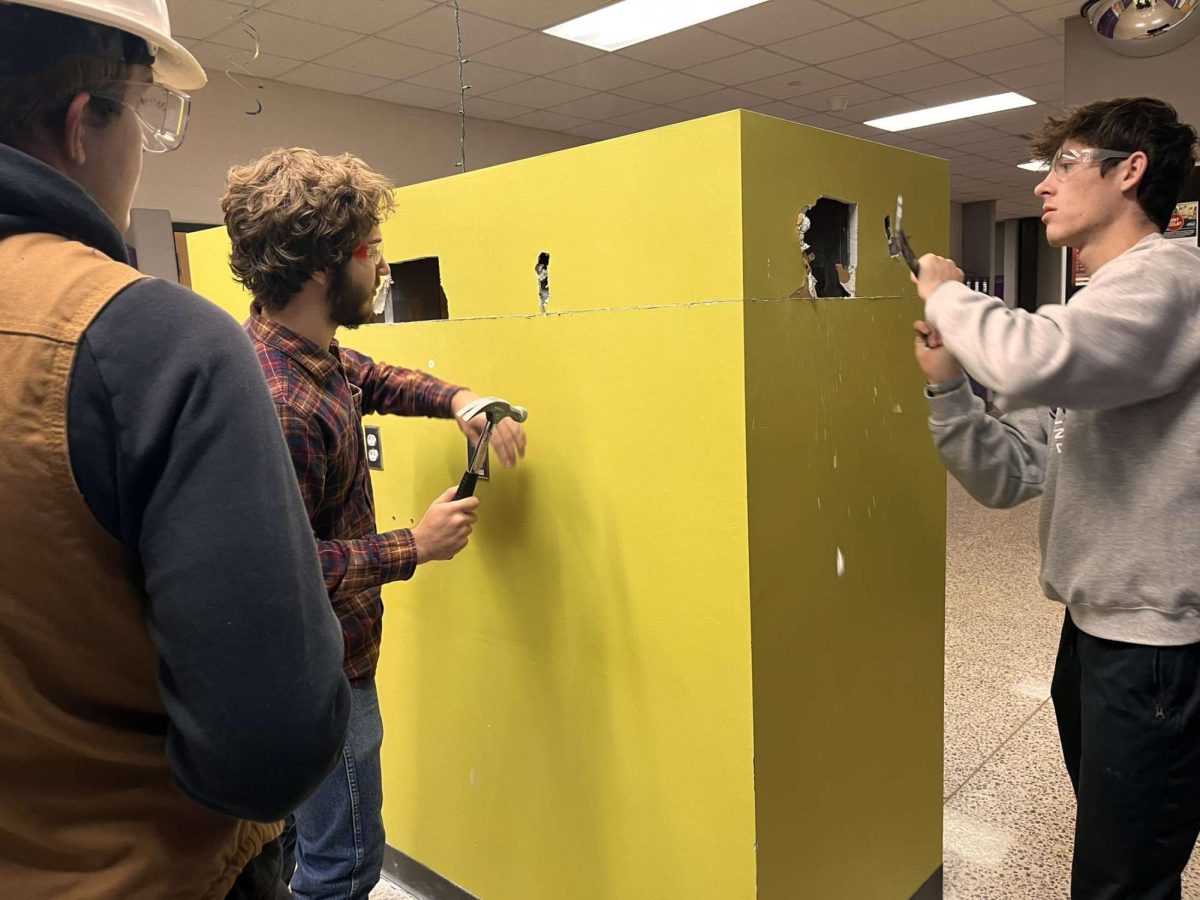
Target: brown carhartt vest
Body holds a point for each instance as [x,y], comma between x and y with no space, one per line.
[87,805]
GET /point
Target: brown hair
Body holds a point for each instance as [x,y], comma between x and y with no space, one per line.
[296,212]
[1131,124]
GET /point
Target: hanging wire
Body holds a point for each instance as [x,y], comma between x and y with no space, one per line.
[243,67]
[463,87]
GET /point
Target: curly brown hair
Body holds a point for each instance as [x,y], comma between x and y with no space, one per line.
[1130,124]
[296,212]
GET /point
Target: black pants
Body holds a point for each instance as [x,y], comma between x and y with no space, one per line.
[262,879]
[1129,721]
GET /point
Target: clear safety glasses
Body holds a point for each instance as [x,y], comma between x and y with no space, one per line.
[161,112]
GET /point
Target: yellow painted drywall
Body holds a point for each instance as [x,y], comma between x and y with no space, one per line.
[208,255]
[568,703]
[644,676]
[651,218]
[787,166]
[847,668]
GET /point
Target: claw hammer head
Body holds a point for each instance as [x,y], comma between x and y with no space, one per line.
[496,410]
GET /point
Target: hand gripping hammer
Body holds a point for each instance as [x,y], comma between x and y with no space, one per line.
[496,410]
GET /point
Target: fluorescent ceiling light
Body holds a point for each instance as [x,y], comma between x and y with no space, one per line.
[633,21]
[965,109]
[1035,165]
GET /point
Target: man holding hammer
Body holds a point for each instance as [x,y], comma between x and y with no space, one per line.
[306,242]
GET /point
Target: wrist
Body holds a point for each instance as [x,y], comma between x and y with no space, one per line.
[937,389]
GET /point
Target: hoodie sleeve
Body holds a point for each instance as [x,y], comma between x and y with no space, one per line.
[176,447]
[1000,462]
[1128,337]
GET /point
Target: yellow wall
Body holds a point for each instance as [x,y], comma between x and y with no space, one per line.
[568,703]
[847,670]
[648,219]
[575,707]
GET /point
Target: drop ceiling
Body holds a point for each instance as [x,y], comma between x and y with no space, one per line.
[827,63]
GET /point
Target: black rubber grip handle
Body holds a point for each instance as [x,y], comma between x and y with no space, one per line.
[466,487]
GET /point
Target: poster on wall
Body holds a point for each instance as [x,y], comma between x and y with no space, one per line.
[1182,226]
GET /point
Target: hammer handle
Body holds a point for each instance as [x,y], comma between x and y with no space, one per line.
[466,487]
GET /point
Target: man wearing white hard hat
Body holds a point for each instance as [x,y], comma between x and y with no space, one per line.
[170,668]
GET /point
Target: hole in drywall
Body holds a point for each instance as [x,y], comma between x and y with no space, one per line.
[417,293]
[542,270]
[828,232]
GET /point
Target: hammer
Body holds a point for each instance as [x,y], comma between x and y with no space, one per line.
[496,410]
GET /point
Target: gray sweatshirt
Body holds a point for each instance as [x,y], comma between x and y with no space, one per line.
[1104,424]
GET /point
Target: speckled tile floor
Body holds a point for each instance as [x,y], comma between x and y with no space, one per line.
[1009,811]
[385,890]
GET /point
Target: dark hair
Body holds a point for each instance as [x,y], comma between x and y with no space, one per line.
[48,59]
[296,212]
[1131,124]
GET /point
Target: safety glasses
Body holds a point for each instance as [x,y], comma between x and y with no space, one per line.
[1067,161]
[161,112]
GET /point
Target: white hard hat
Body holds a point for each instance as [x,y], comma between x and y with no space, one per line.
[174,66]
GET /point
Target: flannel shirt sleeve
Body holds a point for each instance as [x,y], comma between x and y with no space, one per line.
[396,390]
[349,566]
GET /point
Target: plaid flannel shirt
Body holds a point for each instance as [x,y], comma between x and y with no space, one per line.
[321,396]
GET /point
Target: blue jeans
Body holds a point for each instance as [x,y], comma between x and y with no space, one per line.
[336,835]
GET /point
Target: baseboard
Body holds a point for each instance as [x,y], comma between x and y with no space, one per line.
[420,880]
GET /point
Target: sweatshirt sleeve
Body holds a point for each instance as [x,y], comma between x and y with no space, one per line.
[1000,462]
[176,447]
[1128,337]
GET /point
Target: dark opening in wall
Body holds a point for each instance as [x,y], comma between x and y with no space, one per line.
[416,293]
[829,241]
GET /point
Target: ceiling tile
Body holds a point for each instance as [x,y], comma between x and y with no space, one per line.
[481,77]
[483,108]
[283,36]
[823,120]
[608,72]
[601,131]
[718,101]
[220,58]
[884,61]
[681,49]
[933,16]
[536,54]
[540,93]
[533,13]
[1017,120]
[868,7]
[919,79]
[796,83]
[654,117]
[363,16]
[979,38]
[600,106]
[548,121]
[877,109]
[1020,78]
[834,43]
[765,22]
[201,18]
[953,93]
[667,88]
[743,67]
[855,93]
[327,79]
[1021,56]
[414,95]
[375,56]
[780,109]
[434,30]
[1049,16]
[958,134]
[1051,92]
